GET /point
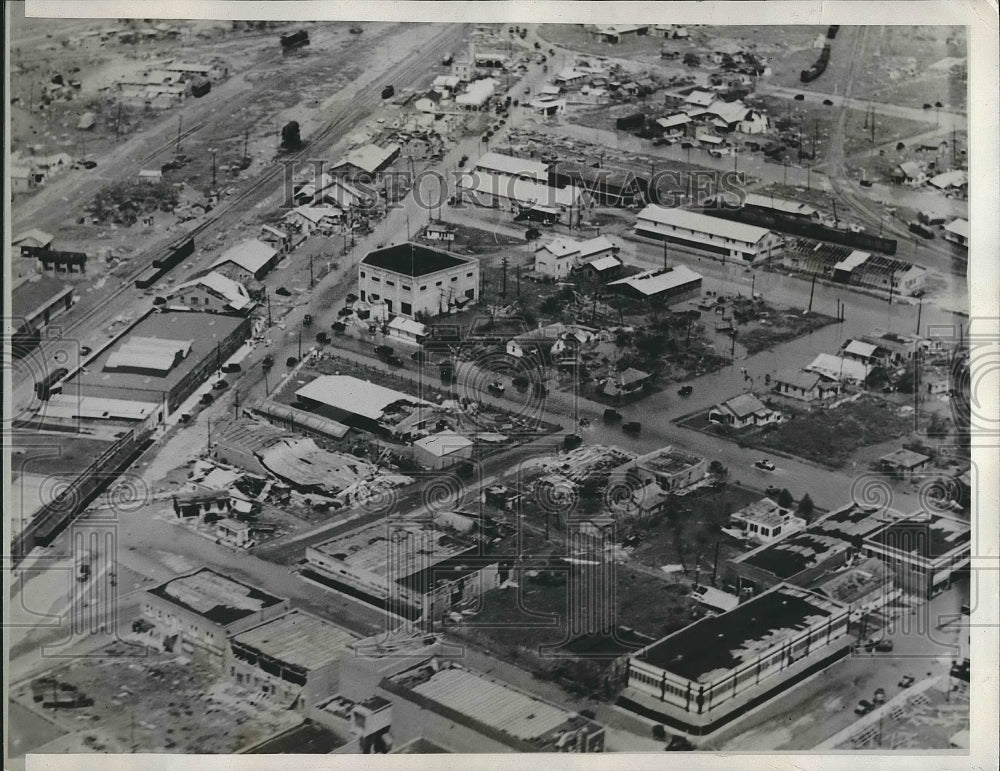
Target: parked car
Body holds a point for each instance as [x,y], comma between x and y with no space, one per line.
[388,92]
[632,427]
[206,398]
[532,234]
[883,646]
[351,298]
[307,320]
[322,338]
[772,490]
[394,361]
[612,415]
[864,707]
[185,417]
[764,465]
[384,350]
[879,697]
[268,361]
[828,102]
[572,441]
[800,97]
[220,385]
[343,312]
[686,390]
[679,744]
[85,350]
[282,291]
[907,681]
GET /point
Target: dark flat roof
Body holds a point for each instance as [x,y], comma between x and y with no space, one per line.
[470,561]
[930,538]
[213,587]
[206,330]
[412,259]
[32,296]
[801,550]
[717,642]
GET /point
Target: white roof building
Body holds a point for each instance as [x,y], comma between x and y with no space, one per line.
[477,93]
[839,368]
[148,353]
[701,223]
[525,192]
[251,255]
[407,327]
[515,167]
[781,205]
[658,281]
[699,98]
[443,444]
[233,291]
[370,158]
[355,396]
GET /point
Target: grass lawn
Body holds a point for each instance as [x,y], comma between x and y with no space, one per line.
[831,436]
[695,530]
[783,326]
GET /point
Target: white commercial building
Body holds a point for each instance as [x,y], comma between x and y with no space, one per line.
[715,235]
[440,450]
[411,279]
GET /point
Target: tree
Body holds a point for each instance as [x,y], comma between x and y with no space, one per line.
[691,60]
[806,507]
[659,733]
[290,138]
[785,499]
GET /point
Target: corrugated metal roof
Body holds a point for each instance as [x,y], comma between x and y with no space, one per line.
[302,463]
[234,292]
[702,223]
[64,406]
[493,703]
[148,353]
[299,639]
[516,167]
[358,397]
[251,255]
[854,260]
[652,282]
[445,443]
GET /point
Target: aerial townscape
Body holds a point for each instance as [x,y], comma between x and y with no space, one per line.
[396,387]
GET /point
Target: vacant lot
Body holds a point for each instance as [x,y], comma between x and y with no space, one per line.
[831,436]
[162,702]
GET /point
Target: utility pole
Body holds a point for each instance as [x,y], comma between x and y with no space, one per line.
[268,296]
[267,384]
[312,281]
[664,255]
[517,276]
[812,289]
[212,150]
[920,310]
[503,285]
[236,405]
[300,344]
[177,144]
[246,139]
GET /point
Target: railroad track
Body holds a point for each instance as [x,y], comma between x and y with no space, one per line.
[358,109]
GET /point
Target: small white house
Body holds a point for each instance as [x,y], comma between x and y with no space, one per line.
[151,175]
[407,330]
[440,450]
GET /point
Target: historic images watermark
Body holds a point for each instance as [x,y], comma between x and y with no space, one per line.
[316,181]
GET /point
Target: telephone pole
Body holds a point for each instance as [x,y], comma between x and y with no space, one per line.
[920,310]
[812,288]
[312,281]
[177,145]
[268,296]
[300,344]
[503,285]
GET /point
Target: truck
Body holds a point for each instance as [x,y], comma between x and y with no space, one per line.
[388,92]
[385,351]
[201,87]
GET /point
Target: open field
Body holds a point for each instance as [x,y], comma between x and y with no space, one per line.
[162,702]
[829,436]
